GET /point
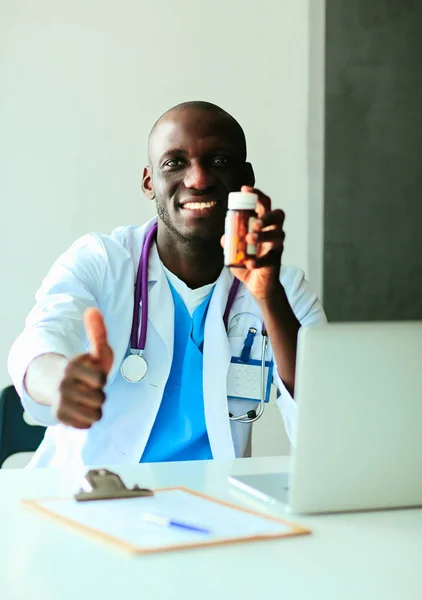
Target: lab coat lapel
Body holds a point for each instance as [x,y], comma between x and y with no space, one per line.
[215,366]
[160,302]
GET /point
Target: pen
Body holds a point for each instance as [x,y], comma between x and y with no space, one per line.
[166,522]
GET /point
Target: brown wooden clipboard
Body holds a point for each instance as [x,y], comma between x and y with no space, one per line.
[106,493]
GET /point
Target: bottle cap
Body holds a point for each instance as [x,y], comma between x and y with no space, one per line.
[242,201]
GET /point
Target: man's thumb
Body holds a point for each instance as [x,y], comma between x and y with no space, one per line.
[97,335]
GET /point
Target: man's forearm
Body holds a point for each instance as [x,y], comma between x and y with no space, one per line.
[282,327]
[43,378]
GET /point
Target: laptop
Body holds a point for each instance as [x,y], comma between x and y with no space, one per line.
[357,442]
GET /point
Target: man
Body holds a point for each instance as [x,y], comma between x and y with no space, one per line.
[66,364]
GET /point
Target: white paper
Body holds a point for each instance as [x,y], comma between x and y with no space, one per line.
[122,519]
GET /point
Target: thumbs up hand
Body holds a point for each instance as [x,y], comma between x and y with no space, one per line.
[81,391]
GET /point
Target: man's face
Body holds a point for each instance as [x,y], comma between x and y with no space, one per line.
[196,158]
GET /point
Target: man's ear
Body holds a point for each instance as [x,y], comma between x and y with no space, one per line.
[147,186]
[249,175]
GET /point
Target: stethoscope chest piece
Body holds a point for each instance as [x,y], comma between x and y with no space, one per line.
[134,368]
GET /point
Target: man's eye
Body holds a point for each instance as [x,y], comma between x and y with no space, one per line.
[220,161]
[174,163]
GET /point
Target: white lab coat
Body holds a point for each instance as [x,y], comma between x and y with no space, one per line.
[100,270]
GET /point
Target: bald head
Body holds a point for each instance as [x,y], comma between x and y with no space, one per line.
[194,113]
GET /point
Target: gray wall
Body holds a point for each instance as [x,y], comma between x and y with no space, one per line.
[373,160]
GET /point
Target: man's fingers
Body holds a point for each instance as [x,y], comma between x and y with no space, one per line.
[82,394]
[275,217]
[270,259]
[84,369]
[76,415]
[97,335]
[264,202]
[273,236]
[89,398]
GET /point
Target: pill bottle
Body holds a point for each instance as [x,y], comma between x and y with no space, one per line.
[240,218]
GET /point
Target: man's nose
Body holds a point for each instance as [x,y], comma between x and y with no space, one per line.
[198,177]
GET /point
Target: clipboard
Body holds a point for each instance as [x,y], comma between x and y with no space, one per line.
[107,509]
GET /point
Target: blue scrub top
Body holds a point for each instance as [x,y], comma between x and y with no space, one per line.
[179,431]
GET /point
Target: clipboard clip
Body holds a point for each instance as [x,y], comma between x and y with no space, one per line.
[102,484]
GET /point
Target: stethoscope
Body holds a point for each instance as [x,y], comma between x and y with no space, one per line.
[134,367]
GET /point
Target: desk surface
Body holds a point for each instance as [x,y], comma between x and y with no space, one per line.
[360,556]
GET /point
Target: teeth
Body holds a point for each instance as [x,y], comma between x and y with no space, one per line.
[199,205]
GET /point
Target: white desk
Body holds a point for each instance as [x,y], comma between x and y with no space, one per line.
[376,556]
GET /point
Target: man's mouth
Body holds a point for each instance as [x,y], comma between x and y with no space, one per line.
[199,205]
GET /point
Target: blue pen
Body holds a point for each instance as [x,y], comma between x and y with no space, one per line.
[247,344]
[166,522]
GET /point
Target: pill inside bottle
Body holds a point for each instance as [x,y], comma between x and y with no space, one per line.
[241,216]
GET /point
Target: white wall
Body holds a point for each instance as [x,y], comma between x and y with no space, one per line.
[83,81]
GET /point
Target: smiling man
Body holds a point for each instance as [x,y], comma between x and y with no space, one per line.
[129,353]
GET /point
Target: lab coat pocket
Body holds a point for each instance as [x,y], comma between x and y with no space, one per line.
[238,341]
[236,344]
